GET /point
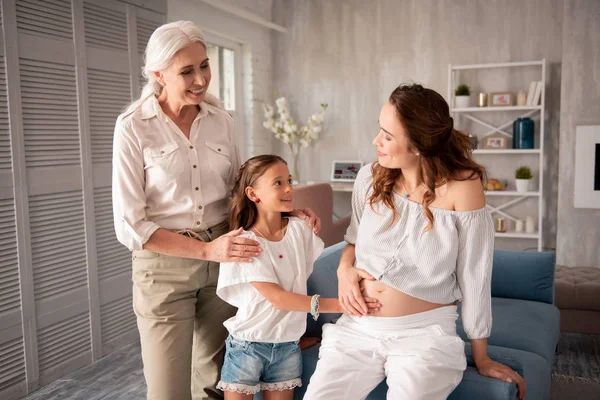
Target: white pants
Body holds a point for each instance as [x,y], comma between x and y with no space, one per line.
[421,355]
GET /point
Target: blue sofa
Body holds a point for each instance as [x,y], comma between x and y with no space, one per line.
[525,330]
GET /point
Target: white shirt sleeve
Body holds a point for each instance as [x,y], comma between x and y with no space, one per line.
[474,272]
[129,199]
[235,278]
[359,200]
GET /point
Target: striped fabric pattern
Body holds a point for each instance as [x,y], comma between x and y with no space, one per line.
[452,262]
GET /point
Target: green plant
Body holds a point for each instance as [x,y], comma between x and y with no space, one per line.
[462,90]
[523,173]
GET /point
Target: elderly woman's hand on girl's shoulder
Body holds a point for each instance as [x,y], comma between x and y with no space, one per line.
[230,247]
[313,220]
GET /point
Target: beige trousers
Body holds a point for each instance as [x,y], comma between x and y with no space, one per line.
[180,319]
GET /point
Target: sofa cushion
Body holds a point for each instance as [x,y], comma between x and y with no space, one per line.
[525,325]
[324,282]
[523,275]
[473,386]
[578,288]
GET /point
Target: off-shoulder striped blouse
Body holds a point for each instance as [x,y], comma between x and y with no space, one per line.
[451,262]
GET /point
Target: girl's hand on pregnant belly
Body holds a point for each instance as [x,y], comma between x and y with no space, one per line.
[372,304]
[349,292]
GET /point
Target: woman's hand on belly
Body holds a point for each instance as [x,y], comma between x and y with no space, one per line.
[349,292]
[396,303]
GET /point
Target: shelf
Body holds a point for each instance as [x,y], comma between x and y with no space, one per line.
[518,235]
[507,108]
[507,151]
[484,117]
[499,65]
[510,193]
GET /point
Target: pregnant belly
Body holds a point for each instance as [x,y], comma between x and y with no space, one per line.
[395,303]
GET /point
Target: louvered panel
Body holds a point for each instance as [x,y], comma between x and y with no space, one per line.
[108,93]
[105,27]
[113,258]
[50,121]
[9,267]
[51,18]
[12,363]
[145,28]
[142,81]
[117,318]
[63,341]
[57,243]
[5,159]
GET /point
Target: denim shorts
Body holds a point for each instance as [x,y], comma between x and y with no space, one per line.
[254,366]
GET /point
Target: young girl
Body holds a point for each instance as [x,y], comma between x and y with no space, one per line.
[262,351]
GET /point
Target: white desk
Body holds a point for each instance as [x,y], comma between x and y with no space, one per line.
[336,186]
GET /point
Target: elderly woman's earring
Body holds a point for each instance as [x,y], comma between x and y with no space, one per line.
[418,154]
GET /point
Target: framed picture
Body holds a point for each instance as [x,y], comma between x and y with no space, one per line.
[495,142]
[587,167]
[501,99]
[345,171]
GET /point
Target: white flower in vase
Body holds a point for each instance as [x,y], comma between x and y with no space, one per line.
[285,128]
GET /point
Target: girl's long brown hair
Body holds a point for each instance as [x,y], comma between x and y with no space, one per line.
[445,153]
[243,211]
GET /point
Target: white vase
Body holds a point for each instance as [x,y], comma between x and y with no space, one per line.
[295,170]
[522,185]
[462,101]
[529,225]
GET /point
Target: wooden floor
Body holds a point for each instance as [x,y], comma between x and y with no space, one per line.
[117,376]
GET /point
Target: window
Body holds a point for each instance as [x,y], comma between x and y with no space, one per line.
[222,84]
[226,83]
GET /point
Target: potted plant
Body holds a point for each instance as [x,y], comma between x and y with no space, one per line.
[462,94]
[522,178]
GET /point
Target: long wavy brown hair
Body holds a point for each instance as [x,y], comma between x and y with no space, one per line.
[243,211]
[445,152]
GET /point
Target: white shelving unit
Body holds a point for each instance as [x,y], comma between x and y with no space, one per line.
[512,197]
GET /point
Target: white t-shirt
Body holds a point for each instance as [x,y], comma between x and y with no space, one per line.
[287,263]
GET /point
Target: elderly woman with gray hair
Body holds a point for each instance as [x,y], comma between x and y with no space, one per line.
[174,164]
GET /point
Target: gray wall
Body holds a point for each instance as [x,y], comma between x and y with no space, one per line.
[352,53]
[578,239]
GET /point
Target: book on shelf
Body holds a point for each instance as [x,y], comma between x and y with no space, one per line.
[531,93]
[535,93]
[538,93]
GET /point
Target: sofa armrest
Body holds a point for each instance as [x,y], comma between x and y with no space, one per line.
[524,275]
[533,368]
[475,386]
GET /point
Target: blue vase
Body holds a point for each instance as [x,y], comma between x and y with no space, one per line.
[523,132]
[515,142]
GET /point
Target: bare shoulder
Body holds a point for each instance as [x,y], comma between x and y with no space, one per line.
[467,193]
